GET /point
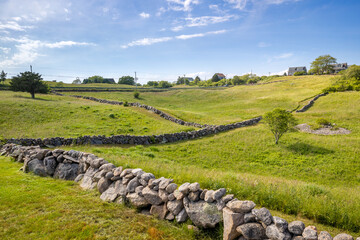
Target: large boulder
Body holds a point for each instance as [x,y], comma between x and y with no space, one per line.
[175,206]
[159,211]
[263,215]
[151,196]
[36,166]
[109,195]
[136,200]
[103,184]
[231,221]
[274,233]
[324,235]
[251,231]
[310,233]
[296,227]
[50,165]
[66,171]
[343,236]
[240,206]
[202,214]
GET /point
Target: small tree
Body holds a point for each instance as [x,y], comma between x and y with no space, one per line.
[2,76]
[323,64]
[215,78]
[128,80]
[279,121]
[29,82]
[136,95]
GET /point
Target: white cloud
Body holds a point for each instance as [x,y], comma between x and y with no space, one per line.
[177,28]
[182,5]
[151,41]
[5,50]
[12,25]
[28,50]
[206,20]
[284,56]
[263,44]
[144,15]
[237,4]
[160,11]
[147,41]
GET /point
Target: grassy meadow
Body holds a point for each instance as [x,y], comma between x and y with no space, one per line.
[308,177]
[226,105]
[56,116]
[32,207]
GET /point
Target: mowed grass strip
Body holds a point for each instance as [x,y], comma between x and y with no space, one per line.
[56,116]
[308,175]
[226,105]
[32,207]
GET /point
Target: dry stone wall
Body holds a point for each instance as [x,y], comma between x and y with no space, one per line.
[311,102]
[130,139]
[162,197]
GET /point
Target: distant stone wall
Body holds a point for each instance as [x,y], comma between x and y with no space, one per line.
[130,139]
[311,102]
[162,197]
[147,107]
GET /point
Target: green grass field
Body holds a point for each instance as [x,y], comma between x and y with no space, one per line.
[226,105]
[51,116]
[32,207]
[309,177]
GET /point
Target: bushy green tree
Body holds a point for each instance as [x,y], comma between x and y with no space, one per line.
[29,82]
[215,78]
[136,94]
[323,64]
[3,76]
[128,80]
[279,122]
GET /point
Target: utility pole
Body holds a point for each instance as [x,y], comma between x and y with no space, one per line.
[135,81]
[30,68]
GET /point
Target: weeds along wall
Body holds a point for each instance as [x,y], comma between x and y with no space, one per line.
[162,197]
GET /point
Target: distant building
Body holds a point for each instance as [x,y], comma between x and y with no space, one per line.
[293,70]
[339,67]
[190,79]
[220,75]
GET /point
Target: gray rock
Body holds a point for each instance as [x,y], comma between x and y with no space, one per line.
[137,172]
[194,196]
[165,182]
[137,200]
[184,188]
[274,233]
[249,217]
[298,238]
[241,206]
[178,195]
[231,221]
[310,233]
[117,171]
[109,175]
[170,216]
[171,187]
[151,196]
[110,194]
[147,176]
[50,165]
[220,205]
[159,211]
[263,215]
[103,184]
[194,187]
[79,178]
[60,158]
[296,227]
[134,183]
[227,198]
[67,171]
[97,162]
[203,193]
[202,214]
[324,235]
[87,183]
[36,166]
[218,194]
[164,195]
[251,231]
[171,197]
[175,206]
[209,196]
[139,189]
[57,152]
[182,216]
[343,236]
[120,188]
[281,224]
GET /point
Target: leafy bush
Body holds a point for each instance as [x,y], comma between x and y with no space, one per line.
[111,115]
[126,104]
[136,95]
[323,122]
[299,73]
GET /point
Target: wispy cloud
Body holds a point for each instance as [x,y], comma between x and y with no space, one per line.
[237,4]
[5,50]
[263,44]
[151,41]
[146,42]
[203,21]
[14,26]
[28,50]
[284,56]
[182,5]
[144,15]
[242,4]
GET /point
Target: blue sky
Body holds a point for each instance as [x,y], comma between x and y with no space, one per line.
[163,39]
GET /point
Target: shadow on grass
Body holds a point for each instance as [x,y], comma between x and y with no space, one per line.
[29,98]
[307,149]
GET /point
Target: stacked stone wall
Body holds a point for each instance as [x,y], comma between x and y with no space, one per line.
[162,197]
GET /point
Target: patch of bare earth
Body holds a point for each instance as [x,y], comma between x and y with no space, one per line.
[322,131]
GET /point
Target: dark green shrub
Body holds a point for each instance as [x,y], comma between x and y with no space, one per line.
[126,104]
[323,122]
[136,95]
[111,115]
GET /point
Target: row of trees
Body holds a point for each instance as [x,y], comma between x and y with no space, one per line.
[128,80]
